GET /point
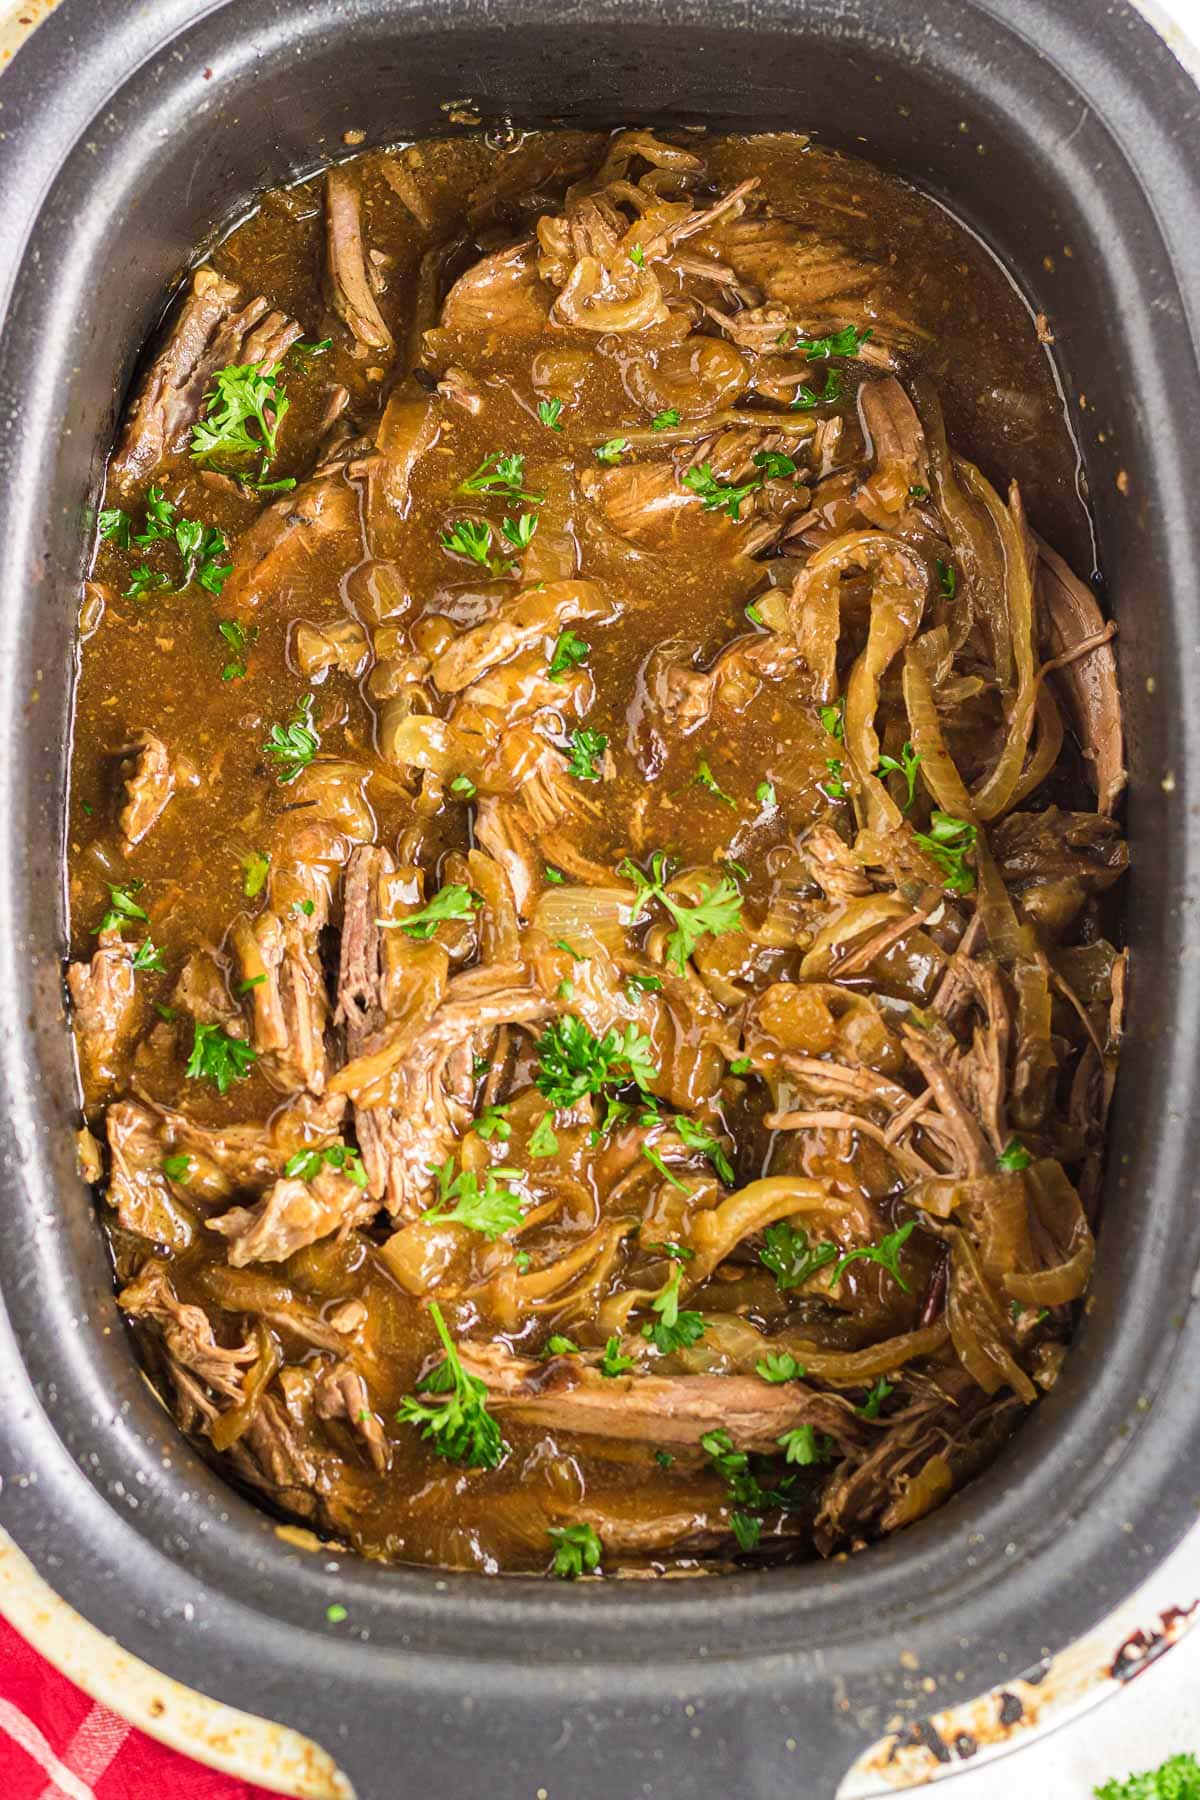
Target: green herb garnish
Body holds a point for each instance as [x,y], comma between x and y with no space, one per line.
[502,474]
[451,902]
[613,451]
[572,1062]
[719,496]
[949,841]
[806,398]
[846,342]
[665,420]
[294,745]
[886,1253]
[542,1141]
[675,1330]
[570,652]
[587,748]
[779,1365]
[489,1206]
[460,1427]
[790,1257]
[613,1363]
[907,766]
[549,413]
[577,1548]
[716,912]
[803,1445]
[1014,1156]
[705,778]
[244,409]
[218,1057]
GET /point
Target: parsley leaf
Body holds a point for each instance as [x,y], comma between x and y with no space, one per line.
[613,451]
[803,1445]
[675,1330]
[775,465]
[790,1258]
[145,581]
[254,873]
[587,747]
[462,784]
[875,1399]
[716,912]
[779,1365]
[460,1427]
[644,984]
[572,1062]
[147,957]
[542,1141]
[764,793]
[719,496]
[698,1137]
[613,1363]
[947,576]
[746,1529]
[846,342]
[578,1548]
[293,745]
[907,766]
[560,1346]
[175,1168]
[219,1058]
[666,419]
[114,523]
[1014,1156]
[1176,1779]
[451,902]
[949,841]
[806,398]
[638,255]
[886,1253]
[490,1207]
[834,787]
[833,719]
[570,652]
[502,474]
[244,409]
[705,778]
[519,531]
[473,539]
[554,876]
[306,1165]
[493,1123]
[549,412]
[122,905]
[653,1157]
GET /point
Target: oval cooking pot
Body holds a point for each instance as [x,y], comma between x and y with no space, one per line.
[1065,134]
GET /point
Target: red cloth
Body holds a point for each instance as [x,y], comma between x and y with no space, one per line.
[56,1744]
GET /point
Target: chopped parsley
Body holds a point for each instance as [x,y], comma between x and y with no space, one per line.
[918,491]
[947,576]
[644,984]
[460,1427]
[907,766]
[122,905]
[1176,1779]
[473,539]
[886,1253]
[846,342]
[805,1446]
[764,793]
[462,784]
[775,465]
[147,957]
[875,1399]
[218,1057]
[949,841]
[570,652]
[554,876]
[664,1459]
[746,1529]
[638,256]
[549,413]
[716,912]
[572,1062]
[675,1329]
[577,1548]
[114,522]
[175,1168]
[560,1346]
[777,1366]
[653,1157]
[254,873]
[834,786]
[306,1165]
[235,636]
[144,581]
[451,902]
[244,409]
[719,496]
[294,745]
[698,1137]
[542,1141]
[613,451]
[789,1256]
[665,420]
[613,1363]
[587,748]
[490,1206]
[493,1123]
[806,398]
[705,778]
[502,474]
[833,719]
[1014,1156]
[519,531]
[754,616]
[302,349]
